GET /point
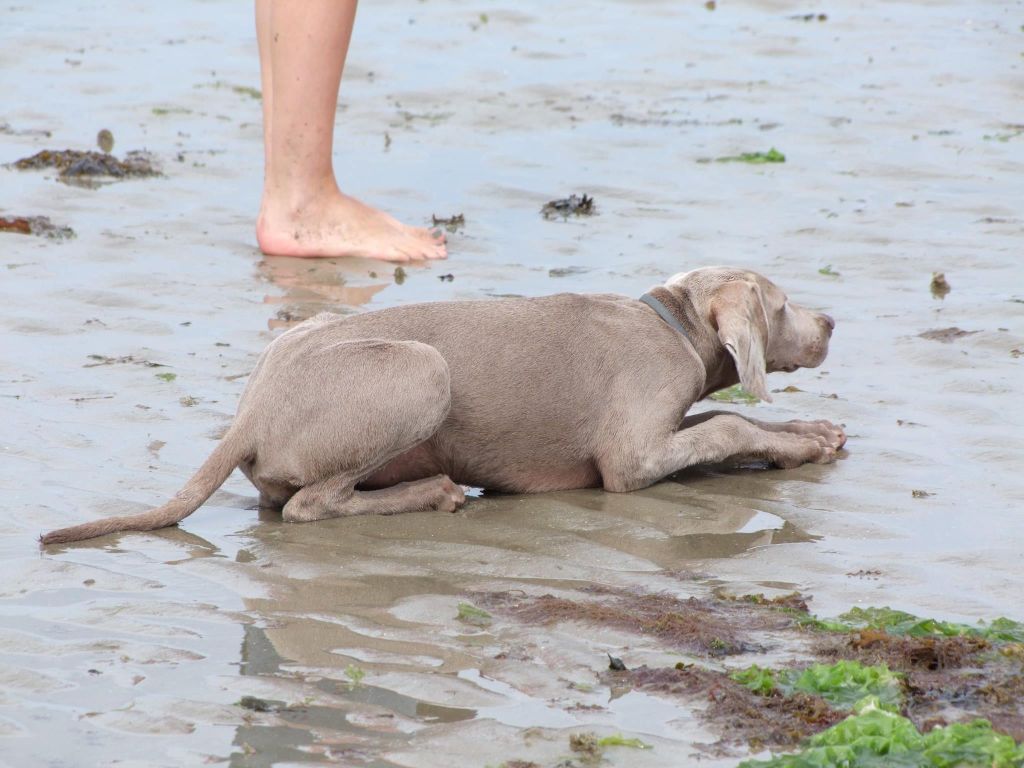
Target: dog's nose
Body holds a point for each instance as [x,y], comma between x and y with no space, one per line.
[829,322]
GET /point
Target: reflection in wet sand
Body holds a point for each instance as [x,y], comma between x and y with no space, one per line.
[319,285]
[358,716]
[380,595]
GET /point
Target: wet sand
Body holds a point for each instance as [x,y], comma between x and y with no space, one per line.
[901,126]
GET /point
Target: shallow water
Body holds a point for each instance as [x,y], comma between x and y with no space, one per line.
[900,124]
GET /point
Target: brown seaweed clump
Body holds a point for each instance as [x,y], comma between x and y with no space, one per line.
[742,716]
[1001,702]
[710,627]
[793,601]
[902,652]
[75,165]
[990,690]
[945,335]
[40,226]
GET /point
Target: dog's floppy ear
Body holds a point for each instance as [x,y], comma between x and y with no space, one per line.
[739,316]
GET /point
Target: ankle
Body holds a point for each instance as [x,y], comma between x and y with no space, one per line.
[291,201]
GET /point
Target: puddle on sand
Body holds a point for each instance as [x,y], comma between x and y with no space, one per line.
[309,732]
[131,650]
[401,582]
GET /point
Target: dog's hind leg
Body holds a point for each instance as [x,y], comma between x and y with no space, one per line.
[330,413]
[365,402]
[336,497]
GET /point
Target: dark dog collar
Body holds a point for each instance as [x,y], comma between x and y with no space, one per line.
[665,314]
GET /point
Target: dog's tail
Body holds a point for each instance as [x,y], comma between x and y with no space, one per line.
[215,470]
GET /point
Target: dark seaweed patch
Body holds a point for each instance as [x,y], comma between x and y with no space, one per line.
[945,335]
[574,205]
[451,223]
[41,226]
[736,712]
[876,646]
[8,130]
[710,627]
[74,165]
[567,271]
[257,704]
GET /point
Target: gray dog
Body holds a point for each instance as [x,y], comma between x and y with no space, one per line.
[386,412]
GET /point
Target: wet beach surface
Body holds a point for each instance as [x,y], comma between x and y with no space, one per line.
[125,349]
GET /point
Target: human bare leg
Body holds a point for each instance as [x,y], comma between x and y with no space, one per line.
[303,45]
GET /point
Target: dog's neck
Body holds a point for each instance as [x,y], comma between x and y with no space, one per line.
[720,370]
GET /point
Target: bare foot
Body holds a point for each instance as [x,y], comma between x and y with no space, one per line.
[339,225]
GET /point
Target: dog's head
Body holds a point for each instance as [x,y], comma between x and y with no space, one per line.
[753,319]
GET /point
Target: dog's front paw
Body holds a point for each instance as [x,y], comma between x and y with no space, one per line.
[833,433]
[793,449]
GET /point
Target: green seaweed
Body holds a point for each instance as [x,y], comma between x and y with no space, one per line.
[241,90]
[754,158]
[901,623]
[845,683]
[758,679]
[168,377]
[875,736]
[823,625]
[246,90]
[734,394]
[355,675]
[618,740]
[842,684]
[1003,630]
[470,614]
[827,271]
[1003,137]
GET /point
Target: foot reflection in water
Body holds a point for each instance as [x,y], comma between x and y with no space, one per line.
[320,285]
